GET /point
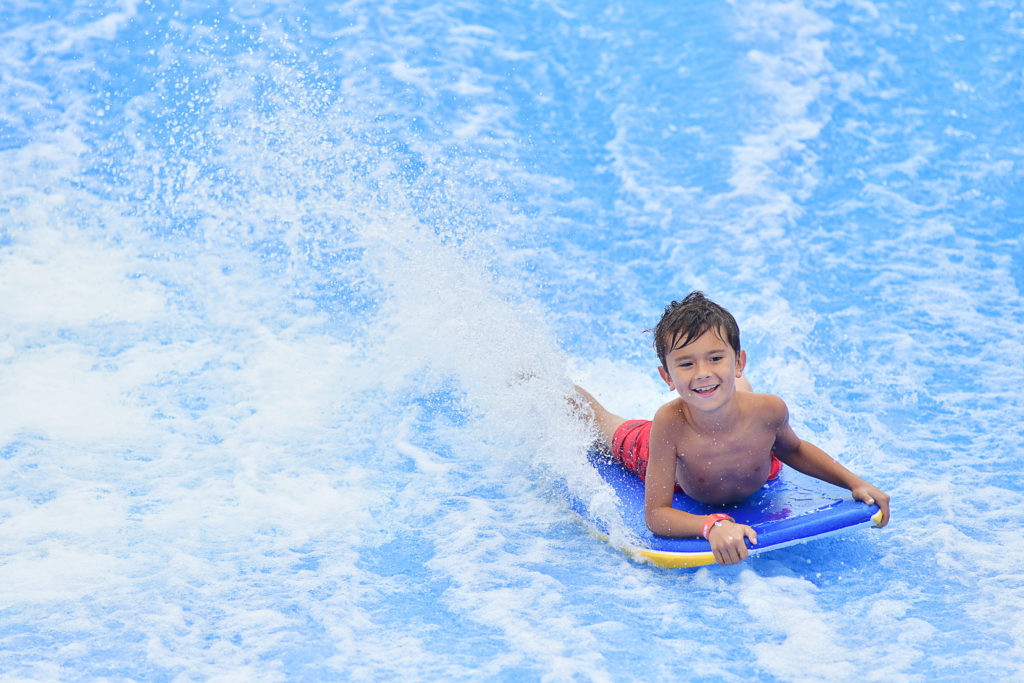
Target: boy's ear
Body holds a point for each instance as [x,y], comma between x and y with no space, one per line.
[664,376]
[741,362]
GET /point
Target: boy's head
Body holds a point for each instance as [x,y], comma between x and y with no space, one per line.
[686,320]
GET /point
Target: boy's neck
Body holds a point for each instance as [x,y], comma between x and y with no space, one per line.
[723,419]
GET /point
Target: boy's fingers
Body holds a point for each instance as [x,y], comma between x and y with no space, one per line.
[728,554]
[739,548]
[885,516]
[735,550]
[883,507]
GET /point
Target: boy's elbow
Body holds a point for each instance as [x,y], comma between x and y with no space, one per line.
[649,519]
[654,521]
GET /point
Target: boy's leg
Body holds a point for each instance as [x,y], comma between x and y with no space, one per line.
[589,408]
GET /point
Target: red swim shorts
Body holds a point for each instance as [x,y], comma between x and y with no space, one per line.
[631,445]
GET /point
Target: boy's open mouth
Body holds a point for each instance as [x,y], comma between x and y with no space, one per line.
[704,391]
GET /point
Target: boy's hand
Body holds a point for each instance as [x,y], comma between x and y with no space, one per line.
[727,541]
[872,496]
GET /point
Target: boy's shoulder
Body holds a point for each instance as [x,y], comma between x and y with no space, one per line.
[670,410]
[769,407]
[670,415]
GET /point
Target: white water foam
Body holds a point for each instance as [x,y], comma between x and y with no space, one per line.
[281,397]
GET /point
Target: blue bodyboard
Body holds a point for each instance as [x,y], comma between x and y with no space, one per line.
[791,508]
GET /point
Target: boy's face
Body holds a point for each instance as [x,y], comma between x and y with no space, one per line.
[704,371]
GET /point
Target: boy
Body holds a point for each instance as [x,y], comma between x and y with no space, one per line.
[718,441]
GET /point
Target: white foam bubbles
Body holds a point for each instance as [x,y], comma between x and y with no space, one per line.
[279,401]
[799,639]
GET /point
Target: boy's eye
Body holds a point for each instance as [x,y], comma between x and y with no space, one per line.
[717,358]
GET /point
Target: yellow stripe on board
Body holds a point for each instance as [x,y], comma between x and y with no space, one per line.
[674,560]
[658,558]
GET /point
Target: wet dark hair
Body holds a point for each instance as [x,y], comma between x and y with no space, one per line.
[684,321]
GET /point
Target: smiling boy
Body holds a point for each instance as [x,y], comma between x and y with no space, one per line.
[718,441]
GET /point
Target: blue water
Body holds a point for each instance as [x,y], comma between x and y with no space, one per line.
[272,276]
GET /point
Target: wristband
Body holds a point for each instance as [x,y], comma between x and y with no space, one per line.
[712,520]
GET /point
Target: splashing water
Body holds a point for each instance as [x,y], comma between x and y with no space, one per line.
[293,297]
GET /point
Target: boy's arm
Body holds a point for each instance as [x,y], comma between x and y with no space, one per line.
[664,520]
[807,458]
